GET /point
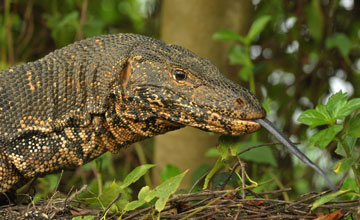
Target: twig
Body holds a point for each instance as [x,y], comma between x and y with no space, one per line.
[238,213]
[230,175]
[111,203]
[197,181]
[260,145]
[215,200]
[275,191]
[242,176]
[84,7]
[76,193]
[137,213]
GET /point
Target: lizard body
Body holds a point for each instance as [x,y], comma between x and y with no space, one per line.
[106,92]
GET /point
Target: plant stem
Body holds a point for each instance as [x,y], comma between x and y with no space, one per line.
[279,183]
[251,81]
[251,73]
[348,154]
[3,31]
[142,158]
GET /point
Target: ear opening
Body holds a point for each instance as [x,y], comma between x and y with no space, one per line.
[125,74]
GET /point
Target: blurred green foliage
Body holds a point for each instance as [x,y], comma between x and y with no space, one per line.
[240,54]
[32,28]
[338,114]
[301,54]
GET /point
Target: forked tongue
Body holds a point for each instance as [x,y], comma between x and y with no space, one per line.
[268,125]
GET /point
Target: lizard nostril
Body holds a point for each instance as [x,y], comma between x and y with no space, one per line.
[240,101]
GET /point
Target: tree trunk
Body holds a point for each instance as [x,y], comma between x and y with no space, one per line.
[191,24]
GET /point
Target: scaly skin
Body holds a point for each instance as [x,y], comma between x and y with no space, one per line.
[106,92]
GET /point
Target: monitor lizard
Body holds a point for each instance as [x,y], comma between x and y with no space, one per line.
[106,92]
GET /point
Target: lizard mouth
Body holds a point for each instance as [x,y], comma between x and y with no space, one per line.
[214,122]
[218,122]
[230,126]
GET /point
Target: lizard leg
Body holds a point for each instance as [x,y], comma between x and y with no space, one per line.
[9,175]
[38,154]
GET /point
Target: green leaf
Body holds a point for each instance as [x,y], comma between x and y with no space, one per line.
[110,192]
[133,205]
[336,108]
[350,141]
[350,183]
[37,198]
[218,165]
[245,72]
[335,105]
[315,117]
[226,35]
[165,190]
[324,137]
[220,179]
[350,107]
[169,186]
[344,164]
[258,155]
[144,192]
[327,198]
[89,217]
[135,174]
[50,181]
[314,19]
[70,18]
[257,27]
[168,172]
[199,172]
[238,55]
[160,203]
[93,27]
[63,27]
[266,104]
[341,42]
[212,152]
[354,127]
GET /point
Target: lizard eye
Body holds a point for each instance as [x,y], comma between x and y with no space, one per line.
[179,75]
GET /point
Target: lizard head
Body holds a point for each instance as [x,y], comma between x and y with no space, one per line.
[177,87]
